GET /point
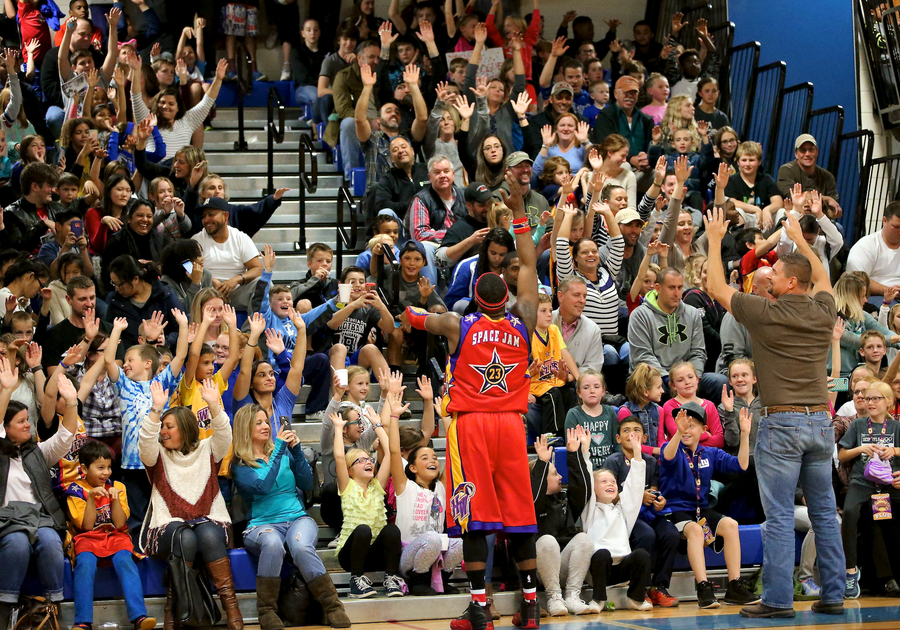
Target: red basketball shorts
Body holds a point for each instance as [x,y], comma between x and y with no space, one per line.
[490,483]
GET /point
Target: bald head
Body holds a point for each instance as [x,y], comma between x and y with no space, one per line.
[762,280]
[81,36]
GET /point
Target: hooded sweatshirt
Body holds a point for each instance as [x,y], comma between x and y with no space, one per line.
[661,340]
[608,525]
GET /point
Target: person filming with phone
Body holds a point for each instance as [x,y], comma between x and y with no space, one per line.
[69,237]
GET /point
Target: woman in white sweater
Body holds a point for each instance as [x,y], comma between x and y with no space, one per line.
[176,126]
[187,516]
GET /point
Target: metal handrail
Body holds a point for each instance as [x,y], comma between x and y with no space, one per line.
[309,183]
[244,87]
[275,133]
[342,237]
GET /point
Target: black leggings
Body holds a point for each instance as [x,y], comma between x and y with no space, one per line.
[360,553]
[634,568]
[858,503]
[207,539]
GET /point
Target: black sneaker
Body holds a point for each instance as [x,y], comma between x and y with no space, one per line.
[739,594]
[706,595]
[474,618]
[528,617]
[761,611]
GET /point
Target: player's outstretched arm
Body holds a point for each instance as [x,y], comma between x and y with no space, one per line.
[527,294]
[446,324]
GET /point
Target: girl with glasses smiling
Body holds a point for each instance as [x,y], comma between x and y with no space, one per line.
[874,437]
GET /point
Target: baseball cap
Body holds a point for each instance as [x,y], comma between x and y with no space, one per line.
[694,410]
[562,86]
[517,157]
[214,203]
[627,216]
[804,137]
[411,245]
[627,83]
[478,193]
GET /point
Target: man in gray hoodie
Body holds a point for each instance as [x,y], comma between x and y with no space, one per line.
[734,335]
[664,330]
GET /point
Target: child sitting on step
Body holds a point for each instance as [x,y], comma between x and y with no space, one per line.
[607,518]
[421,501]
[367,542]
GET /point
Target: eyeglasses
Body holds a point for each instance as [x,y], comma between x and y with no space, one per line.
[859,392]
[364,460]
[873,398]
[218,346]
[117,285]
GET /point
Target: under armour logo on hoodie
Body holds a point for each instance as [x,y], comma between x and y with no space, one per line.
[672,333]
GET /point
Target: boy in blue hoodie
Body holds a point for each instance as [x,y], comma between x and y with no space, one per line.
[686,470]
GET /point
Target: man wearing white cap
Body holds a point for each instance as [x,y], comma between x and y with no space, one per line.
[803,170]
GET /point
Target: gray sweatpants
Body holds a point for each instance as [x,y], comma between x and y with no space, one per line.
[421,554]
[569,565]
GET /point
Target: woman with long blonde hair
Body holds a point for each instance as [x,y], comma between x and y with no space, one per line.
[268,472]
[679,115]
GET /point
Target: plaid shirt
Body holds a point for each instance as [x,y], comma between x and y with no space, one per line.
[421,225]
[100,411]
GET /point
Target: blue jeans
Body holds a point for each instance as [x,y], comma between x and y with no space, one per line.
[86,569]
[307,95]
[350,146]
[317,374]
[323,108]
[267,543]
[611,356]
[15,555]
[55,117]
[792,446]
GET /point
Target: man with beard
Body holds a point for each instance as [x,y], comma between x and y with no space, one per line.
[377,144]
[624,118]
[631,226]
[519,164]
[464,237]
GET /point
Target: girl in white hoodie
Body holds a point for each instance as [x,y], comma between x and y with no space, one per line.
[608,517]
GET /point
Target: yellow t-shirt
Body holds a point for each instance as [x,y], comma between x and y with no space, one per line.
[189,396]
[76,497]
[549,350]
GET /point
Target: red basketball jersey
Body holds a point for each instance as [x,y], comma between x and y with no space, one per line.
[489,370]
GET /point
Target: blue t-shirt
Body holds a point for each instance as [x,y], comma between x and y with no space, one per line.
[135,402]
[676,480]
[282,405]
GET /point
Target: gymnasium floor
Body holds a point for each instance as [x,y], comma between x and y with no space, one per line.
[865,613]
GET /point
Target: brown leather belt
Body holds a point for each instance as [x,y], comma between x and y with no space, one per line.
[807,409]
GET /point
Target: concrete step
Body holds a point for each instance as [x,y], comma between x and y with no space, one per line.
[261,168]
[287,233]
[250,184]
[230,157]
[256,141]
[258,114]
[408,609]
[291,136]
[252,195]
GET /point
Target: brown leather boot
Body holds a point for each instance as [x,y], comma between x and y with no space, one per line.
[220,572]
[169,619]
[489,597]
[322,588]
[267,589]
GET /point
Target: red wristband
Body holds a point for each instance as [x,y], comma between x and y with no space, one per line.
[416,317]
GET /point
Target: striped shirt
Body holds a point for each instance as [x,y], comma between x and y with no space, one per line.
[602,306]
[179,135]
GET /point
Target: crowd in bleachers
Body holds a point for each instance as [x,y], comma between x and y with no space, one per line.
[151,366]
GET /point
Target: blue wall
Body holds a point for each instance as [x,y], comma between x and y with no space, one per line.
[815,39]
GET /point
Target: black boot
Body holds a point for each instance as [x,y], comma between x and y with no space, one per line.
[449,589]
[420,584]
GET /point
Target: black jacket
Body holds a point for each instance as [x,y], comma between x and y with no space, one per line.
[126,241]
[162,299]
[22,227]
[554,514]
[395,190]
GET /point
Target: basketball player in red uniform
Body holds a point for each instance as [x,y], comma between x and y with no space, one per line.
[487,395]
